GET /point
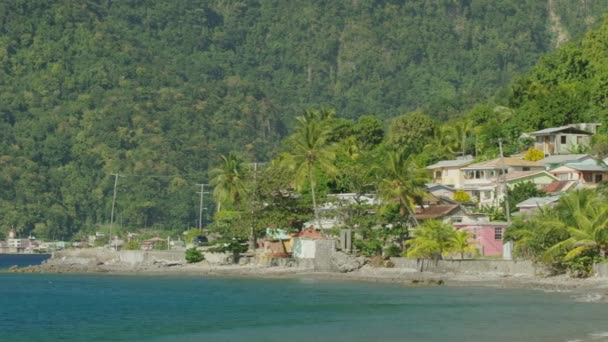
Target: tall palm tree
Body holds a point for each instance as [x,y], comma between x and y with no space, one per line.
[402,181]
[311,152]
[229,180]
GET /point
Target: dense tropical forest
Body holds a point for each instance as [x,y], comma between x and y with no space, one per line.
[157,91]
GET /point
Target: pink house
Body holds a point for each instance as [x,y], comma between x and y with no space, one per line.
[487,235]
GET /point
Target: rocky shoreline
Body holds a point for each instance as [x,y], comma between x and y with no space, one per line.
[594,289]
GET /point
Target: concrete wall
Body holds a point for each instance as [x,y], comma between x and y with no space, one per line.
[127,257]
[601,270]
[469,266]
[304,248]
[323,252]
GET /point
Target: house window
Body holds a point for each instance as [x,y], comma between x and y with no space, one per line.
[598,178]
[456,219]
[497,233]
[437,174]
[563,139]
[487,194]
[526,168]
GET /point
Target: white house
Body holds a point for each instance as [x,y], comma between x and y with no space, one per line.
[482,181]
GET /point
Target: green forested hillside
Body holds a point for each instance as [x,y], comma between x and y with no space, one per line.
[156,90]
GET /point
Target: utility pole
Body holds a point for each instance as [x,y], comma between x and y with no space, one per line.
[503,178]
[200,208]
[116,175]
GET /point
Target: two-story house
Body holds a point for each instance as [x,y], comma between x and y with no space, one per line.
[483,180]
[447,172]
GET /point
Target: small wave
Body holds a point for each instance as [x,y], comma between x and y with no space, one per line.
[600,335]
[589,298]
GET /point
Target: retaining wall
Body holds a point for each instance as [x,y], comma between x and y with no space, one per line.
[601,270]
[469,266]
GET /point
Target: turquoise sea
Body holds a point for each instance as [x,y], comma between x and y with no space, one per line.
[62,307]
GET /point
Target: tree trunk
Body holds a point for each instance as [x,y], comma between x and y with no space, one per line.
[314,200]
[252,240]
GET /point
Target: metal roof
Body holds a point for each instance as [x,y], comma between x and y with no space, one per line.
[587,167]
[564,158]
[538,201]
[565,129]
[450,163]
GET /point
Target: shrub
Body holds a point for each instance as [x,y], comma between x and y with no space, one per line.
[462,196]
[194,255]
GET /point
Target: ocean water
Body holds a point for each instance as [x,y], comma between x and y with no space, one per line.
[62,307]
[21,260]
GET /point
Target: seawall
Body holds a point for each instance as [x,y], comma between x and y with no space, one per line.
[512,267]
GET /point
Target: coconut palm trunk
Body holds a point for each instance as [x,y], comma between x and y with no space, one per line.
[314,199]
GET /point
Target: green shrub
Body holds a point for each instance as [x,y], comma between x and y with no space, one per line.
[194,255]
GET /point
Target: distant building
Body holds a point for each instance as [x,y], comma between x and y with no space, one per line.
[447,172]
[557,160]
[562,140]
[488,236]
[590,173]
[482,181]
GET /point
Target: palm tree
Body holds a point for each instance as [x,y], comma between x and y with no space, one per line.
[432,239]
[402,181]
[311,152]
[461,243]
[228,180]
[585,215]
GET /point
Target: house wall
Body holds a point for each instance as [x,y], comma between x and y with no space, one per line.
[303,248]
[540,180]
[488,245]
[553,144]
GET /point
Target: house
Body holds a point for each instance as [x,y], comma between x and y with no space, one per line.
[533,204]
[560,186]
[440,190]
[448,213]
[557,160]
[589,173]
[332,213]
[563,139]
[482,181]
[488,236]
[447,172]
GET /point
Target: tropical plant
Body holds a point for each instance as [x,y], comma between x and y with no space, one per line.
[462,243]
[229,180]
[310,152]
[402,182]
[432,239]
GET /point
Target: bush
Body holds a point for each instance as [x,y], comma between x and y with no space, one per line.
[194,255]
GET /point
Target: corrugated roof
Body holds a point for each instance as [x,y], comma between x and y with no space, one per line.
[435,211]
[559,186]
[508,161]
[522,174]
[587,167]
[538,201]
[450,163]
[566,129]
[564,158]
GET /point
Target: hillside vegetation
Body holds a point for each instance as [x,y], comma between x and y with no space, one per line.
[156,90]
